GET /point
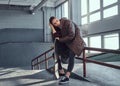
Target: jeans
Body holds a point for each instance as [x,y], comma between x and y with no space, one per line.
[70,56]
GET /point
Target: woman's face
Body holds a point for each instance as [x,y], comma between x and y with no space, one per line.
[56,22]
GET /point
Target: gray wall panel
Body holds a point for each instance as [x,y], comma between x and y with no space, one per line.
[20,54]
[21,35]
[20,19]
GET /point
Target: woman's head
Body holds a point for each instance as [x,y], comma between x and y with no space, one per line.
[54,21]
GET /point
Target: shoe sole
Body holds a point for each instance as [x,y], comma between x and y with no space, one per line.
[64,82]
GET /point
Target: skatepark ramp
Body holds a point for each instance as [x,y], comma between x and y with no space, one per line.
[96,67]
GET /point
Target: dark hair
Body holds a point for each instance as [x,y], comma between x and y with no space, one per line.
[51,19]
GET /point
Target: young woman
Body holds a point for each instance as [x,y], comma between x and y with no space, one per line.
[69,40]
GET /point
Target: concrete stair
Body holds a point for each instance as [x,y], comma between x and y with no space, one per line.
[97,75]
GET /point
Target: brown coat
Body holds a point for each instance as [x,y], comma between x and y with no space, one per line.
[71,36]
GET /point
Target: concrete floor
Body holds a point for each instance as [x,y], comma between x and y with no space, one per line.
[96,75]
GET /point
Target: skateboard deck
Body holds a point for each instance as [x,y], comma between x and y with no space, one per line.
[56,71]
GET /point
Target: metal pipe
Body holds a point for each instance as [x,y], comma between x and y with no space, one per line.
[9,2]
[46,61]
[103,50]
[84,64]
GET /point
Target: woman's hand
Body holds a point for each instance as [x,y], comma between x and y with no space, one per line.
[57,38]
[52,28]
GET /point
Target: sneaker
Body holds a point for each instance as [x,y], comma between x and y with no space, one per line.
[61,76]
[64,80]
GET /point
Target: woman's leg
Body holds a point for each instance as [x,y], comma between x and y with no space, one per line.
[70,64]
[61,71]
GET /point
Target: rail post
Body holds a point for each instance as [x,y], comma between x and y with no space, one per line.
[84,64]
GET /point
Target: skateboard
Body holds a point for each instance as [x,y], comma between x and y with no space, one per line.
[56,71]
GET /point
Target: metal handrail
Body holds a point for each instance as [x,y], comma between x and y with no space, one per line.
[33,64]
[103,50]
[84,58]
[98,62]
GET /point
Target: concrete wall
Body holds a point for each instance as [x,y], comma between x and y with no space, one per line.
[21,54]
[47,12]
[74,11]
[20,19]
[21,37]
